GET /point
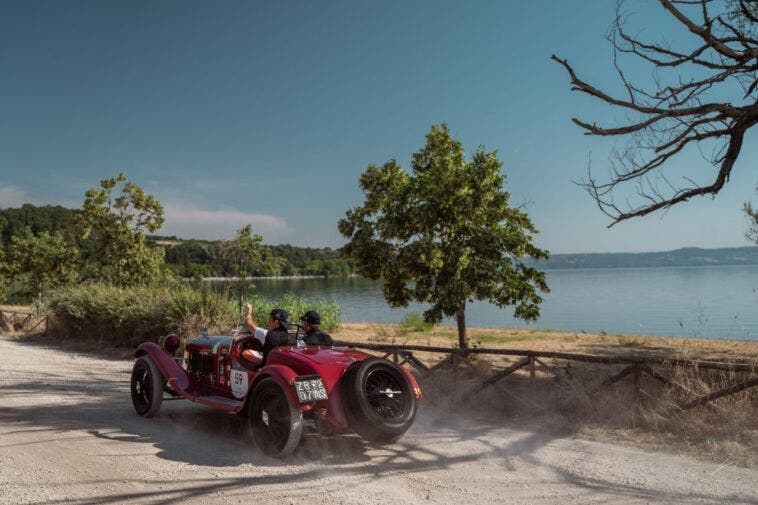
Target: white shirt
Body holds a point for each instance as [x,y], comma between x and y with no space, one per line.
[260,334]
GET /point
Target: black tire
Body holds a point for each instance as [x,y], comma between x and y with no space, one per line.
[379,400]
[147,387]
[276,426]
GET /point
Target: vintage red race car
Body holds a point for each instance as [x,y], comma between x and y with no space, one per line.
[337,388]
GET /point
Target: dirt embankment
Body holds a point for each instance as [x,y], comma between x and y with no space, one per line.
[569,400]
[68,435]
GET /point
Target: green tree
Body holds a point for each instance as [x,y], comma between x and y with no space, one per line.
[4,271]
[245,256]
[444,234]
[45,261]
[115,227]
[49,218]
[244,251]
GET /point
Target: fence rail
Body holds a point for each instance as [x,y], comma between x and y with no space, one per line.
[530,359]
[12,320]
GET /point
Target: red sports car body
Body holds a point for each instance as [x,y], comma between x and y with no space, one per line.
[339,389]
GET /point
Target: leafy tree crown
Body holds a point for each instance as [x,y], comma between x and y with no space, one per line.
[444,233]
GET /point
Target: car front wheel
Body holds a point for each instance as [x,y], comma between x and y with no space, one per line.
[147,387]
[276,426]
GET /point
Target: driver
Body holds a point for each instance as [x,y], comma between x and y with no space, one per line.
[276,333]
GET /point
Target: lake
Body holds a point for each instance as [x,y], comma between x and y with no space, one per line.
[703,302]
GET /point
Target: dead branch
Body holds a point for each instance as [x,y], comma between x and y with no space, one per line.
[685,106]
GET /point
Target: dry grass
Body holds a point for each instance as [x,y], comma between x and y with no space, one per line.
[552,340]
[724,431]
[17,308]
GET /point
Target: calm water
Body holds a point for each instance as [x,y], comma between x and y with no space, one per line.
[708,302]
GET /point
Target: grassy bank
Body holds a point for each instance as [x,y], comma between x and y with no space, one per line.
[725,431]
[554,340]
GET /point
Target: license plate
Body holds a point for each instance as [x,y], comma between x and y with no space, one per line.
[310,389]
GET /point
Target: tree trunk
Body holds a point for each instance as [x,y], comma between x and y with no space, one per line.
[460,317]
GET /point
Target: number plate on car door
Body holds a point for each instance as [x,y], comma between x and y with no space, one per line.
[310,388]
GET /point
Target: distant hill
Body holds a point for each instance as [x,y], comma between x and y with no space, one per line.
[190,257]
[685,257]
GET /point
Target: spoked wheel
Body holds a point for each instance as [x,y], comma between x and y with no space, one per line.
[275,424]
[147,387]
[384,393]
[379,400]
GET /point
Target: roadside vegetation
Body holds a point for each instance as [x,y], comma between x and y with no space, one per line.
[99,278]
[52,228]
[414,322]
[126,316]
[725,431]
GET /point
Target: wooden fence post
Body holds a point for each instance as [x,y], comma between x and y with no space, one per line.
[637,377]
[454,362]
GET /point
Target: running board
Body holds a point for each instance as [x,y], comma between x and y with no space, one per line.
[220,402]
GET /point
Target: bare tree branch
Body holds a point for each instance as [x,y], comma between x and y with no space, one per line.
[685,108]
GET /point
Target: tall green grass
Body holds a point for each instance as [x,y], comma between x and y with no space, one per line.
[329,310]
[128,316]
[414,322]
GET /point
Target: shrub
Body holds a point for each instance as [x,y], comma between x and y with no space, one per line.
[128,316]
[413,321]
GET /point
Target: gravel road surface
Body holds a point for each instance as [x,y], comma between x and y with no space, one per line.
[68,434]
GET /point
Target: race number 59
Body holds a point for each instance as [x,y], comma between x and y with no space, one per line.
[238,380]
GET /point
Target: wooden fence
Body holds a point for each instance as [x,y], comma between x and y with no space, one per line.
[11,320]
[530,360]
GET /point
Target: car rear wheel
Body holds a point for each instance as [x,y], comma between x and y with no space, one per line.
[379,400]
[276,426]
[147,387]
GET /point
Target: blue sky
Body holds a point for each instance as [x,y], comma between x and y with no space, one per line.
[268,112]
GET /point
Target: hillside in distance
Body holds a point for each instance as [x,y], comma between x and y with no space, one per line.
[685,257]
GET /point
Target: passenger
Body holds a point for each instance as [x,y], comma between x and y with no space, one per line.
[276,333]
[313,334]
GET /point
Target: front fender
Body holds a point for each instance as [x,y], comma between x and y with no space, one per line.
[174,374]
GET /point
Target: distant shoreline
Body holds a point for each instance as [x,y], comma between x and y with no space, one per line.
[275,277]
[546,268]
[684,257]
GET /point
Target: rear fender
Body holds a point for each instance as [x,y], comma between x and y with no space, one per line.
[285,377]
[174,374]
[414,384]
[336,413]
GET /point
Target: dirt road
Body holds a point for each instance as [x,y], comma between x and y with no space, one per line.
[68,434]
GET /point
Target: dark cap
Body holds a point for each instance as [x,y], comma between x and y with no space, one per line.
[311,317]
[281,316]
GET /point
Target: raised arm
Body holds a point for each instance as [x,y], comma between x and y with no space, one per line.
[249,320]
